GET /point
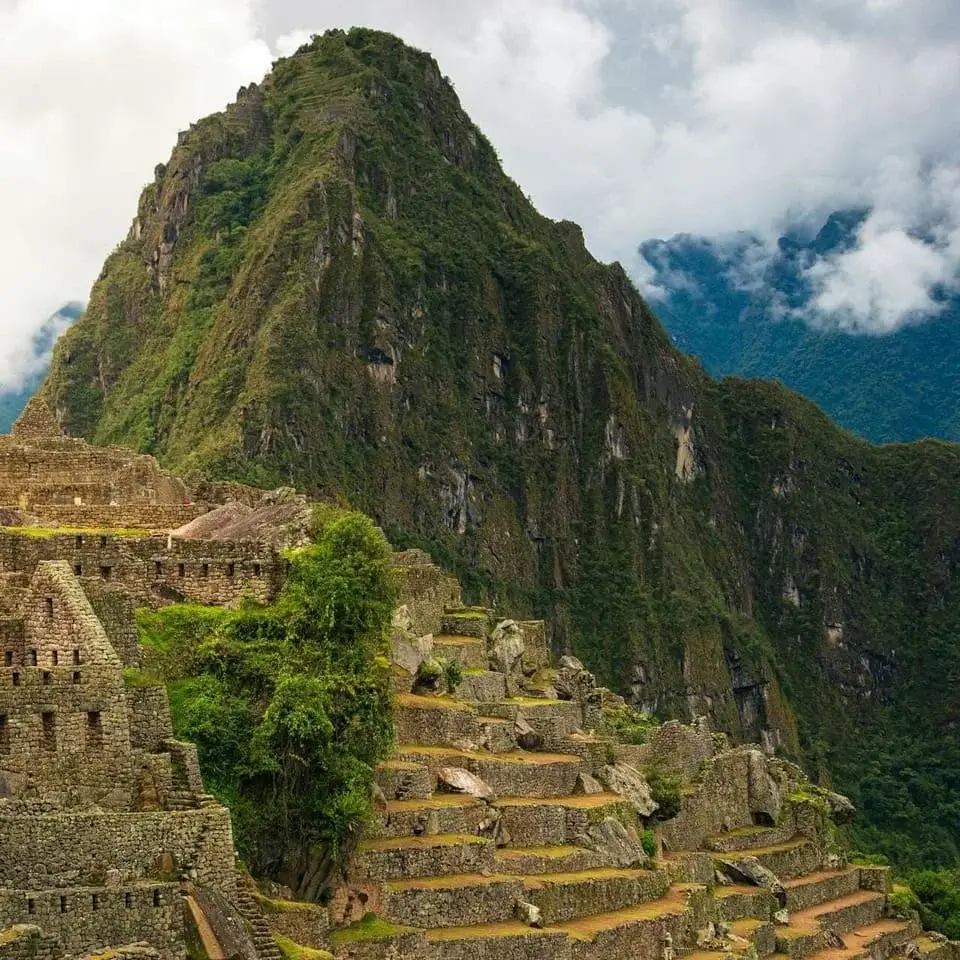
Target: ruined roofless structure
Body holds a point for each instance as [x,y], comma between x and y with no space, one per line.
[108,843]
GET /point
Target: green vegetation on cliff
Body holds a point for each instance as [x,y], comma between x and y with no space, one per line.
[289,704]
[333,284]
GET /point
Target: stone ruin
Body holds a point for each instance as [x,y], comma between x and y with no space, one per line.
[510,823]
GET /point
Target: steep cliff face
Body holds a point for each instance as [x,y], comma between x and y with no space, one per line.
[333,284]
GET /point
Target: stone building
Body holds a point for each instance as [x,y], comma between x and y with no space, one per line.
[108,843]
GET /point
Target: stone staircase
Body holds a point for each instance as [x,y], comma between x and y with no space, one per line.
[260,933]
[484,849]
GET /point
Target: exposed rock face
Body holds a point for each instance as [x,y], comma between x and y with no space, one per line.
[630,784]
[506,647]
[610,838]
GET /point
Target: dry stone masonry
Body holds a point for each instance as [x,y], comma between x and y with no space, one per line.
[510,825]
[509,828]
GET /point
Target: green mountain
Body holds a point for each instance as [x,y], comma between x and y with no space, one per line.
[333,284]
[13,401]
[898,387]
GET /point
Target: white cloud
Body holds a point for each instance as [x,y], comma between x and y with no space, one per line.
[92,96]
[638,118]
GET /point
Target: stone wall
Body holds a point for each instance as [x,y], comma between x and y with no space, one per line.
[736,789]
[117,614]
[88,920]
[64,850]
[28,942]
[149,718]
[159,517]
[64,728]
[425,592]
[153,569]
[675,747]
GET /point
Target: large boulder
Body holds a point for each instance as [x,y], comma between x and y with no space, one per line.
[458,780]
[506,648]
[610,838]
[764,792]
[527,738]
[842,809]
[750,870]
[409,652]
[630,784]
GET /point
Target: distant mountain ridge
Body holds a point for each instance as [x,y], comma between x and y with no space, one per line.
[893,388]
[12,402]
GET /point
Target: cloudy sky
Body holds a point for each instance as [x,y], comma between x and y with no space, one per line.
[638,118]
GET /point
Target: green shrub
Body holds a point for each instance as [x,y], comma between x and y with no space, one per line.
[627,725]
[289,704]
[649,842]
[666,790]
[452,675]
[903,902]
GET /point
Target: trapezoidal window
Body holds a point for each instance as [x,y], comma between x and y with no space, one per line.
[79,542]
[32,657]
[49,730]
[181,571]
[55,657]
[48,606]
[94,730]
[231,570]
[78,569]
[106,573]
[205,570]
[4,734]
[8,658]
[158,568]
[257,570]
[76,655]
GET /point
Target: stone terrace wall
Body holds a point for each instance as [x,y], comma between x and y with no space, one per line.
[89,920]
[676,747]
[733,790]
[144,516]
[154,569]
[64,732]
[28,942]
[62,850]
[424,592]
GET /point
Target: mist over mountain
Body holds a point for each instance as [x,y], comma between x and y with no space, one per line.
[13,400]
[744,312]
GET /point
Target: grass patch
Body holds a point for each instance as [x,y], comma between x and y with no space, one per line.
[371,927]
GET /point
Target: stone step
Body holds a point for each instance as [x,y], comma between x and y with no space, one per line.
[554,720]
[466,622]
[532,861]
[510,940]
[469,652]
[434,721]
[806,932]
[637,930]
[402,780]
[796,858]
[876,941]
[593,750]
[760,934]
[819,887]
[846,913]
[538,821]
[410,858]
[453,901]
[749,838]
[563,897]
[498,736]
[482,686]
[441,813]
[741,901]
[931,949]
[515,774]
